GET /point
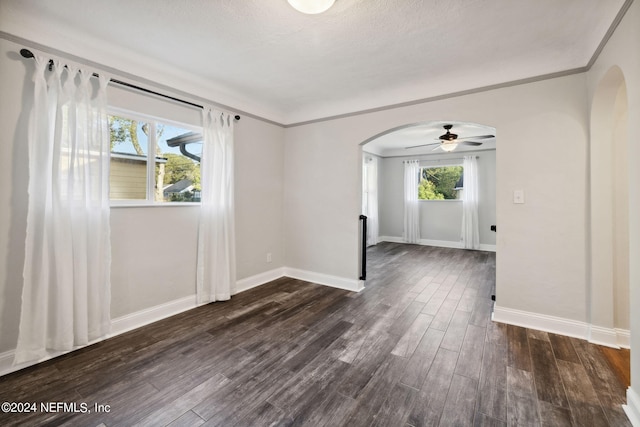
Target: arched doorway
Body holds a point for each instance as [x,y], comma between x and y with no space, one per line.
[420,141]
[608,303]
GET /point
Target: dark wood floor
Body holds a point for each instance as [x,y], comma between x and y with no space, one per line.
[416,347]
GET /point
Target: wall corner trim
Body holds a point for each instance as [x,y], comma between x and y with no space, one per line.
[623,337]
[295,273]
[353,285]
[541,322]
[608,337]
[632,408]
[603,336]
[259,279]
[437,243]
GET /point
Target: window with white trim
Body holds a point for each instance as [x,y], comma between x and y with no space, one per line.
[153,161]
[440,182]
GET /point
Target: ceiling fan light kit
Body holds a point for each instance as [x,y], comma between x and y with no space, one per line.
[448,146]
[448,136]
[449,141]
[311,7]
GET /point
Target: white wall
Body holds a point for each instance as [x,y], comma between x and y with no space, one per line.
[153,256]
[153,248]
[621,215]
[322,199]
[440,220]
[303,184]
[487,197]
[13,196]
[542,136]
[259,163]
[622,51]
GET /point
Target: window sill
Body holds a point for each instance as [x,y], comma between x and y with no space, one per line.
[153,205]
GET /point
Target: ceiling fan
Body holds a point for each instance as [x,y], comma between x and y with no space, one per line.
[449,141]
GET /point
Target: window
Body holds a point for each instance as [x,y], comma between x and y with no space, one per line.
[154,161]
[440,183]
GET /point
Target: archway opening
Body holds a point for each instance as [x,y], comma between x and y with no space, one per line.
[383,157]
[609,219]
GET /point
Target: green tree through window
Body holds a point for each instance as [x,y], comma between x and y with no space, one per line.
[176,177]
[439,183]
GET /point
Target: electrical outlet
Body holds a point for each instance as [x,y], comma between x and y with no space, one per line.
[268,256]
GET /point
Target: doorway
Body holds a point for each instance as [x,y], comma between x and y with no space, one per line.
[608,303]
[440,220]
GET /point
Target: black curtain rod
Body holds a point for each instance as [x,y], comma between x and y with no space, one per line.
[26,53]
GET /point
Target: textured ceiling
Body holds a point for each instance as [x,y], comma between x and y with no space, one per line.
[270,60]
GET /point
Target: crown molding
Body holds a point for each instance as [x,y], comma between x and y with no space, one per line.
[141,81]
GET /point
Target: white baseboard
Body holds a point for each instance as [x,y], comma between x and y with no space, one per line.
[608,337]
[390,239]
[441,243]
[149,315]
[6,362]
[119,326]
[259,279]
[623,338]
[487,248]
[424,242]
[437,243]
[7,366]
[325,279]
[632,408]
[603,336]
[171,308]
[542,322]
[295,273]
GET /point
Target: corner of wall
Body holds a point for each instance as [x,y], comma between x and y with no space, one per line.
[615,338]
[632,408]
[325,279]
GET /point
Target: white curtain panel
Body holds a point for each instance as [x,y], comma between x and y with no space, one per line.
[216,265]
[411,204]
[66,293]
[470,232]
[370,198]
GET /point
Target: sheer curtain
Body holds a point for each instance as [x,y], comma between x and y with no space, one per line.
[66,293]
[470,233]
[411,204]
[216,264]
[370,198]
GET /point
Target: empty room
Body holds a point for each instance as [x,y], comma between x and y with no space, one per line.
[319,212]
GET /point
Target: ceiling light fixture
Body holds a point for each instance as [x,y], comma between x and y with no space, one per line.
[311,7]
[449,145]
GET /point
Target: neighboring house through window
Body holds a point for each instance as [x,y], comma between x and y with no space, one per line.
[153,161]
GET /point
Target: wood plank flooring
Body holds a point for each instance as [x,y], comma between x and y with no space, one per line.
[415,348]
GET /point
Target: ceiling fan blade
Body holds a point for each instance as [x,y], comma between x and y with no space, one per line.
[477,137]
[421,145]
[470,143]
[437,148]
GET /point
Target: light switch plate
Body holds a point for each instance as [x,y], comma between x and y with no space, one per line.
[518,196]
